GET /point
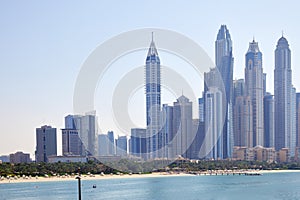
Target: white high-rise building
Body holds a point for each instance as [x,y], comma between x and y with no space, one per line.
[284,98]
[183,126]
[255,89]
[213,140]
[87,127]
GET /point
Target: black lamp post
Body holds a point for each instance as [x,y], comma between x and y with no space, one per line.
[79,184]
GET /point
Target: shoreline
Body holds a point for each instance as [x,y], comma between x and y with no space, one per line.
[279,171]
[124,176]
[88,177]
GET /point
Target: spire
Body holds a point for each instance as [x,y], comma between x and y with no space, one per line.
[152,49]
[152,36]
[182,99]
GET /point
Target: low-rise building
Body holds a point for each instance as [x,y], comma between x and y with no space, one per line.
[239,153]
[67,159]
[257,153]
[19,157]
[297,154]
[4,158]
[283,155]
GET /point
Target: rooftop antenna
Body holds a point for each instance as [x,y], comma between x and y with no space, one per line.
[253,38]
[281,33]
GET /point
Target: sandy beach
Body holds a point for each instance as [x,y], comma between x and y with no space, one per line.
[87,177]
[114,176]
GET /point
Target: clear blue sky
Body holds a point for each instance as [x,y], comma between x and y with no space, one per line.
[44,43]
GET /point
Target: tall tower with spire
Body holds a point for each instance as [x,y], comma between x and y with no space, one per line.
[255,89]
[284,134]
[153,101]
[224,63]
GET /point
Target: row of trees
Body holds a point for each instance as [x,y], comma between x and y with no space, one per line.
[128,166]
[229,165]
[40,169]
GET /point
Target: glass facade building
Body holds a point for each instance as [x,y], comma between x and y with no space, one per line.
[255,89]
[153,101]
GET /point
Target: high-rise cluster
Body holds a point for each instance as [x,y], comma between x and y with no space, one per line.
[260,118]
[234,115]
[79,140]
[238,119]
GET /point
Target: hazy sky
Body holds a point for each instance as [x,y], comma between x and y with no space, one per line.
[44,43]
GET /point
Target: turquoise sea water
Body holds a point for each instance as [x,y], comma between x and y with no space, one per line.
[283,186]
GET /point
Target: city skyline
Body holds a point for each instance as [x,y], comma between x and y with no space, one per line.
[253,60]
[215,104]
[33,50]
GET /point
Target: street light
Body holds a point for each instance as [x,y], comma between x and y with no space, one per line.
[79,184]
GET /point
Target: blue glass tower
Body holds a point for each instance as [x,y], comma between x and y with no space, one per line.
[153,100]
[269,125]
[224,63]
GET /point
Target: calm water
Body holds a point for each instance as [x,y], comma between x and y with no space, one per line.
[283,186]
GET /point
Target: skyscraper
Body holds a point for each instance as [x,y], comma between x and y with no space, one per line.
[224,63]
[269,122]
[183,124]
[242,115]
[243,127]
[106,144]
[46,143]
[255,89]
[167,131]
[121,144]
[153,100]
[293,134]
[71,143]
[198,129]
[283,95]
[238,88]
[213,79]
[201,109]
[103,145]
[111,143]
[213,124]
[89,133]
[298,118]
[265,83]
[137,145]
[87,127]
